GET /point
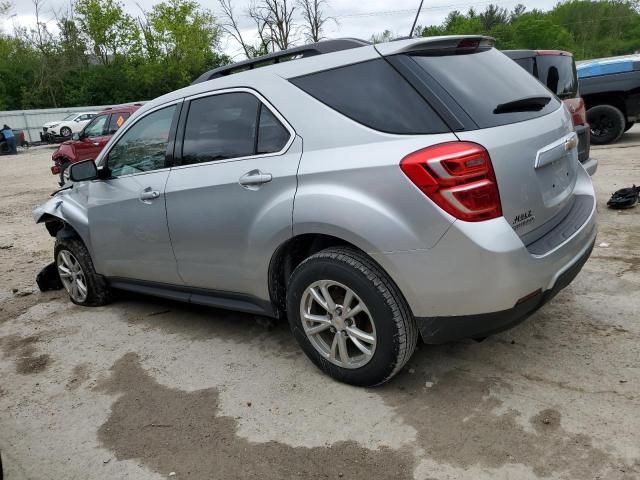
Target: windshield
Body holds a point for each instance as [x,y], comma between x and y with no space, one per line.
[558,73]
[483,81]
[69,117]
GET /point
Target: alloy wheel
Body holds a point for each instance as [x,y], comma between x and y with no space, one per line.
[338,324]
[72,275]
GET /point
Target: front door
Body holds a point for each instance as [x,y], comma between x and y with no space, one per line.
[127,214]
[230,202]
[93,138]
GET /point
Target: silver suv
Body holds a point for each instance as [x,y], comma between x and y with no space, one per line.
[370,193]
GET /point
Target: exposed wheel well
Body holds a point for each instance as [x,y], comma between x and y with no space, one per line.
[288,256]
[58,227]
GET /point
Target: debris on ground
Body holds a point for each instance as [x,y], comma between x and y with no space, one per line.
[624,198]
[49,279]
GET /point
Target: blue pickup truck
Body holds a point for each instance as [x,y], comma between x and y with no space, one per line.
[610,88]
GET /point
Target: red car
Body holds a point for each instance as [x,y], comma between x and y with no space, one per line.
[556,69]
[91,140]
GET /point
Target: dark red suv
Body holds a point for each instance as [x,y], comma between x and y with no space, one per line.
[556,69]
[91,140]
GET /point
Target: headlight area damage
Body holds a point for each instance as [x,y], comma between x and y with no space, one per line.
[63,219]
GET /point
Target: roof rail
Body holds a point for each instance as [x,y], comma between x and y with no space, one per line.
[319,48]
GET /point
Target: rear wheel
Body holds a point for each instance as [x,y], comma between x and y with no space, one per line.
[80,280]
[607,124]
[350,318]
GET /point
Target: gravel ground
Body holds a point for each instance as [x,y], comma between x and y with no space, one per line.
[147,389]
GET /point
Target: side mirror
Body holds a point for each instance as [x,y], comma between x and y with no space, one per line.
[82,171]
[75,136]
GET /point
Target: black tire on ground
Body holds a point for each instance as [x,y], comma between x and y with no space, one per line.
[628,126]
[607,124]
[395,326]
[65,132]
[98,291]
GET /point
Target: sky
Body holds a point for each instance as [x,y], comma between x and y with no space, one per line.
[354,18]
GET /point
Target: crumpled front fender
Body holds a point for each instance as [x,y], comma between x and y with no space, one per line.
[63,207]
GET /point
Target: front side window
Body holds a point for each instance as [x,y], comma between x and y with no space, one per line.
[230,125]
[96,127]
[143,147]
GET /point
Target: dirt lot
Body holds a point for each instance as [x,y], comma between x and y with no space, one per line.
[147,389]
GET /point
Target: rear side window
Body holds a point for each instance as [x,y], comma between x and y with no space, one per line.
[272,136]
[374,94]
[117,119]
[481,81]
[230,125]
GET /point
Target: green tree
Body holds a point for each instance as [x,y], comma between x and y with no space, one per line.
[107,29]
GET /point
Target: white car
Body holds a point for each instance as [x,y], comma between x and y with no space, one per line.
[70,124]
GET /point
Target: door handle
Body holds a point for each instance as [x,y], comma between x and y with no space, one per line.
[255,178]
[148,194]
[97,144]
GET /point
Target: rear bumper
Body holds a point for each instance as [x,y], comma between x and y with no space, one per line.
[446,329]
[482,272]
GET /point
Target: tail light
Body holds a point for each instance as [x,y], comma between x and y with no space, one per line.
[458,177]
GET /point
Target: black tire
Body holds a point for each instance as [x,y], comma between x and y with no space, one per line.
[98,291]
[65,132]
[396,330]
[607,124]
[628,126]
[64,164]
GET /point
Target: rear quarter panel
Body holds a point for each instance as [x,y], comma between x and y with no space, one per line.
[358,193]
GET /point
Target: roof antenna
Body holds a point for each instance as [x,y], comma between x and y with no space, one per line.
[415,20]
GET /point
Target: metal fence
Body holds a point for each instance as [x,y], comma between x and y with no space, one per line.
[31,121]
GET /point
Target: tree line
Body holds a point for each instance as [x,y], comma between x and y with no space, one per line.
[589,29]
[99,54]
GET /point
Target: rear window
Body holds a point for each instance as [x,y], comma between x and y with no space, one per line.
[481,81]
[374,94]
[526,63]
[558,73]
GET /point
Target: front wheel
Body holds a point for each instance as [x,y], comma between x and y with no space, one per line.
[63,168]
[65,132]
[350,318]
[607,124]
[80,280]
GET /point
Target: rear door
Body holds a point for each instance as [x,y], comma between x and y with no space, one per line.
[230,201]
[524,127]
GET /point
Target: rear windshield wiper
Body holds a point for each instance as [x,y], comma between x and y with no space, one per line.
[527,104]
